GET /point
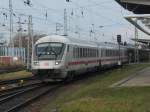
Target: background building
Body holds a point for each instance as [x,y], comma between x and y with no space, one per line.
[10,55]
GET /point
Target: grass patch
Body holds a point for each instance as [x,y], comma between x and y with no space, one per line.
[94,95]
[15,75]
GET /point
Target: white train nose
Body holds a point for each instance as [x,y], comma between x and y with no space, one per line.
[46,64]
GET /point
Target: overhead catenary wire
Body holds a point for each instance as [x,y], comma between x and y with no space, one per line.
[77,17]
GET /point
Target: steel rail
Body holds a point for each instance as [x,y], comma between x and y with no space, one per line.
[30,100]
[9,96]
[7,91]
[16,80]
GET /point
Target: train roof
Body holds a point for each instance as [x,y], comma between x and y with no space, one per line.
[66,40]
[76,41]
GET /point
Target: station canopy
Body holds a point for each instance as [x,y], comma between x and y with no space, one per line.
[141,13]
[136,6]
[145,41]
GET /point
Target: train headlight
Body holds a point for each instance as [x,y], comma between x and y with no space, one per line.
[57,62]
[36,63]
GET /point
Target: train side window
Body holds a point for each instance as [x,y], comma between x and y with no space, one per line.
[103,52]
[78,52]
[68,48]
[88,52]
[83,52]
[74,50]
[91,53]
[96,53]
[74,53]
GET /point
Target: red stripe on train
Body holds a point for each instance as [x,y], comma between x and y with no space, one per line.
[83,62]
[91,61]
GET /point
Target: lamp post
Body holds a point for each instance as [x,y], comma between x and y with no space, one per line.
[119,42]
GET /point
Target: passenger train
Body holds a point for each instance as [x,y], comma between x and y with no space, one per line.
[62,57]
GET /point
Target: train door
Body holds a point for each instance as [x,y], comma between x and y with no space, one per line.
[69,55]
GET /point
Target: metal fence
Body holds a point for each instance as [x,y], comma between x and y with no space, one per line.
[19,53]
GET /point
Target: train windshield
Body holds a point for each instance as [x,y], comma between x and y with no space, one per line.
[50,51]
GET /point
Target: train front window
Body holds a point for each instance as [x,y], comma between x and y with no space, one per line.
[50,51]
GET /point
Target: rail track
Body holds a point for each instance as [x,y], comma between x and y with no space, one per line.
[16,89]
[16,80]
[16,99]
[11,101]
[17,83]
[10,69]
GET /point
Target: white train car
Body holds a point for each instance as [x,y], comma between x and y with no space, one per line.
[112,54]
[60,57]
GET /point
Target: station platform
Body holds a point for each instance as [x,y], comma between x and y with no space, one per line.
[141,78]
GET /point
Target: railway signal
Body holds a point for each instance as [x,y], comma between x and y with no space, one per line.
[119,39]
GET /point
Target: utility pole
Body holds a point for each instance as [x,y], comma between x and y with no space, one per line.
[58,28]
[11,17]
[93,27]
[65,22]
[20,32]
[30,42]
[11,26]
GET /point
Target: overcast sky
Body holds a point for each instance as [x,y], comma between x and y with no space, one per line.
[81,15]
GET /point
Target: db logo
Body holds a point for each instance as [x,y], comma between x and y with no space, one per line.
[46,64]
